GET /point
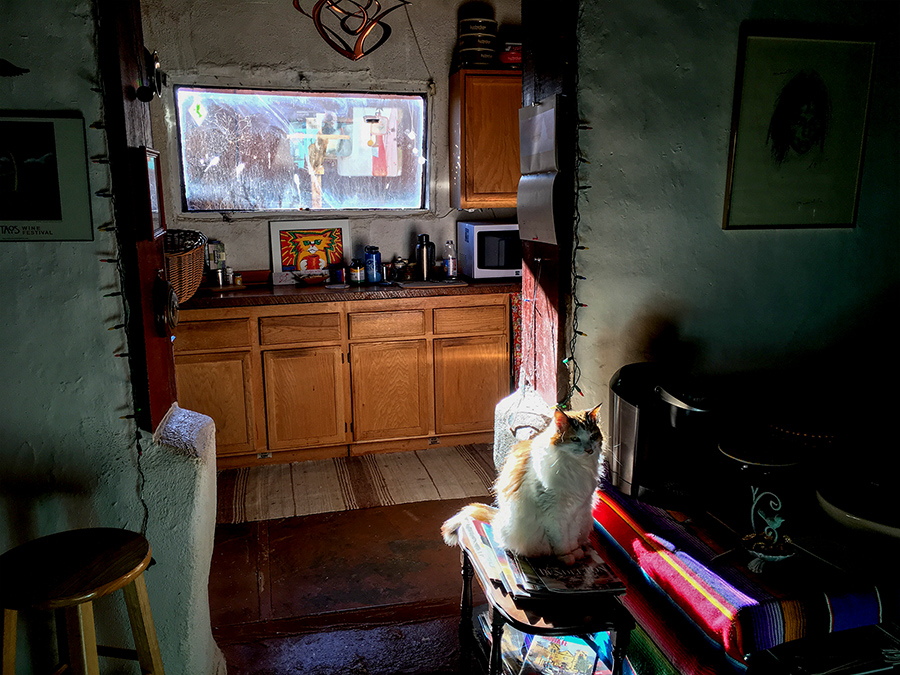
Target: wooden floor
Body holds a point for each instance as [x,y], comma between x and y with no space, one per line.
[372,591]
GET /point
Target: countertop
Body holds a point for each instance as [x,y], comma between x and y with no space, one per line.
[265,294]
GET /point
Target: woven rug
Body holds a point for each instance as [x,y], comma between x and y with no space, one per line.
[346,483]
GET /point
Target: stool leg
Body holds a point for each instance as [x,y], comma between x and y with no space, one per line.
[138,604]
[82,639]
[8,630]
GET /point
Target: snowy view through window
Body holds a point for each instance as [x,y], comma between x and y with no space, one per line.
[253,150]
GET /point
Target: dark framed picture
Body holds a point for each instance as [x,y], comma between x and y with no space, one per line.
[156,225]
[44,189]
[798,128]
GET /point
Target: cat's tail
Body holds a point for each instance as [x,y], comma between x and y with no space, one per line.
[450,528]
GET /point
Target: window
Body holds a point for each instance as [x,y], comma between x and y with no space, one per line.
[254,150]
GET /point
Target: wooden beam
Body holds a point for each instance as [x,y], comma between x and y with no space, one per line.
[549,70]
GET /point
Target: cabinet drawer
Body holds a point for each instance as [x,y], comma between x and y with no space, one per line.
[286,330]
[222,334]
[462,320]
[364,325]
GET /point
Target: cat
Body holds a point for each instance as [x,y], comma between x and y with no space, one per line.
[545,491]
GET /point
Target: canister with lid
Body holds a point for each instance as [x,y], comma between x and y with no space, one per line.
[357,272]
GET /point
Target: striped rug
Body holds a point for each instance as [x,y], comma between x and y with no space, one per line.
[346,483]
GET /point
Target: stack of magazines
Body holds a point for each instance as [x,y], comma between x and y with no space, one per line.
[524,654]
[529,580]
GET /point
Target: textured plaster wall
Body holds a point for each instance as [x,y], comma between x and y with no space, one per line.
[67,459]
[270,44]
[664,281]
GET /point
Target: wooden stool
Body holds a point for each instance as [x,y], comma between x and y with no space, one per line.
[67,571]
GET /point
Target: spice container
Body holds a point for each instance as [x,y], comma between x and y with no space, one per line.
[357,272]
[338,273]
[401,271]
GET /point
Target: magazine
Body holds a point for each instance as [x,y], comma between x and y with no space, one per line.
[514,645]
[506,562]
[562,656]
[591,574]
[473,539]
[536,579]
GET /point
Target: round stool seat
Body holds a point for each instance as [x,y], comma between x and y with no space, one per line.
[70,568]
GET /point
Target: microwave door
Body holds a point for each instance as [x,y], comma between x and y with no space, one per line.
[493,251]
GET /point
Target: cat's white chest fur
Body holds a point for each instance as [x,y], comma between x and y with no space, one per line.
[545,491]
[550,511]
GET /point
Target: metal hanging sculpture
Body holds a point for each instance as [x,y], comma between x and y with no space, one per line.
[359,22]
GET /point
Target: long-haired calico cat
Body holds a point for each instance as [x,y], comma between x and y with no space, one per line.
[545,491]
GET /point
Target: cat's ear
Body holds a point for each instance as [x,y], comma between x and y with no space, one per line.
[594,414]
[560,419]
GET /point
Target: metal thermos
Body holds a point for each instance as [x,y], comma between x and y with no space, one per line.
[425,258]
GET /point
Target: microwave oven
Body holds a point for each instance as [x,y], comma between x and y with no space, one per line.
[489,250]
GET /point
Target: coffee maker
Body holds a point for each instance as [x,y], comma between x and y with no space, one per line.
[662,435]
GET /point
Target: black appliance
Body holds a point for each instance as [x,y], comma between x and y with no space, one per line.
[662,435]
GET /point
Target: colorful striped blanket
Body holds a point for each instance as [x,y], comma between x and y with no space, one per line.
[738,609]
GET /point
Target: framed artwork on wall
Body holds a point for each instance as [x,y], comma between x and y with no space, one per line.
[798,128]
[44,190]
[148,176]
[303,250]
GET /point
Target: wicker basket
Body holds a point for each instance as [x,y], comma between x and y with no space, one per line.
[185,258]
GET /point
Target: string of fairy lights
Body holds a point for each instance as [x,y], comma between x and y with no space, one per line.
[570,360]
[126,322]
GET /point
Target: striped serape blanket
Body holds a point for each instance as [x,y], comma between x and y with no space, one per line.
[740,610]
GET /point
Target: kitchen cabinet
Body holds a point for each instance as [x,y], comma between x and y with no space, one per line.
[216,379]
[287,382]
[469,381]
[484,138]
[305,392]
[391,392]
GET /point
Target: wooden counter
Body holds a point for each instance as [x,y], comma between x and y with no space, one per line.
[264,294]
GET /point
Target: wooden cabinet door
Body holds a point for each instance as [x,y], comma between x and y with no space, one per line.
[306,392]
[391,389]
[218,385]
[485,138]
[471,375]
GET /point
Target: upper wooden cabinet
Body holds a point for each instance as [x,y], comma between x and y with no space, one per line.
[484,138]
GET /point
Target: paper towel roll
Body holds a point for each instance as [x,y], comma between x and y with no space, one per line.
[535,207]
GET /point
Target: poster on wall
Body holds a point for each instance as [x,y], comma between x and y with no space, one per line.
[798,130]
[304,249]
[44,191]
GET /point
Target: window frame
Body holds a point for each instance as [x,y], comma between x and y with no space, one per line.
[426,184]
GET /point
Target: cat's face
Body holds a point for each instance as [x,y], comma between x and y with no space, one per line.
[579,429]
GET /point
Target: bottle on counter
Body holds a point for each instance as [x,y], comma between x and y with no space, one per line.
[425,258]
[337,273]
[373,264]
[451,263]
[357,272]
